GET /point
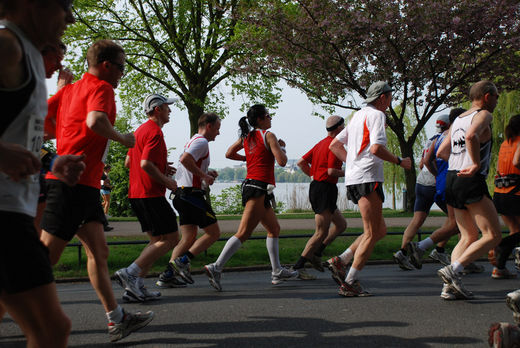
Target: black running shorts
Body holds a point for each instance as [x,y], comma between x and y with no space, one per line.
[155,215]
[68,208]
[461,191]
[507,204]
[355,192]
[323,196]
[253,189]
[193,208]
[24,260]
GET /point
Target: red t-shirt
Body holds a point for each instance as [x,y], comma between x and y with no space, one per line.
[321,159]
[70,106]
[149,145]
[260,160]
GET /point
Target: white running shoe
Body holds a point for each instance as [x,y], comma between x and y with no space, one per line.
[283,274]
[131,322]
[129,283]
[443,258]
[213,276]
[402,260]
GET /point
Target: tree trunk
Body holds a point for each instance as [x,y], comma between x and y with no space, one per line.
[194,112]
[410,175]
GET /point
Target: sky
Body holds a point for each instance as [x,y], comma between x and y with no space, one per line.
[293,122]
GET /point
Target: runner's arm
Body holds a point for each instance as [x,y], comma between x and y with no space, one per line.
[232,151]
[516,156]
[429,159]
[338,149]
[98,122]
[189,163]
[304,166]
[382,152]
[276,149]
[151,169]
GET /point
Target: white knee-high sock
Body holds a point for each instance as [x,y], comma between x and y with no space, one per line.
[231,247]
[272,249]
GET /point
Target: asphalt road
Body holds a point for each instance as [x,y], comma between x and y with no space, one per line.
[406,311]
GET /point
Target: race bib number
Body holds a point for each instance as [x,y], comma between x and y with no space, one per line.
[35,134]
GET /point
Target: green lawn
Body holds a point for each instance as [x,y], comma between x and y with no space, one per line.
[252,253]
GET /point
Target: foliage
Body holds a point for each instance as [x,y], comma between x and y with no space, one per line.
[281,175]
[180,47]
[430,52]
[229,201]
[119,203]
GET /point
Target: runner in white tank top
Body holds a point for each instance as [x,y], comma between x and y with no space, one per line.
[466,148]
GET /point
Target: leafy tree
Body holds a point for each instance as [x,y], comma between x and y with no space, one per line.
[429,51]
[180,47]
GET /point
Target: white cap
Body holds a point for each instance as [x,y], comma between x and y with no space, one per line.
[154,100]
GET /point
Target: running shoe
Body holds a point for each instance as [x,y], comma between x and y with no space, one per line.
[416,254]
[148,296]
[316,263]
[450,294]
[502,273]
[443,258]
[129,283]
[504,335]
[454,280]
[213,276]
[353,290]
[513,302]
[338,269]
[516,257]
[403,261]
[283,274]
[473,268]
[303,274]
[167,280]
[182,269]
[131,322]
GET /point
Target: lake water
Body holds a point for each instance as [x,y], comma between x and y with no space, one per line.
[296,195]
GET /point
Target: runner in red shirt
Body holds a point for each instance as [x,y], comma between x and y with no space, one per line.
[261,150]
[150,176]
[84,114]
[324,168]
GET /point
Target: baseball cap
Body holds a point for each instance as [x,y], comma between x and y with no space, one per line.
[443,121]
[154,100]
[376,89]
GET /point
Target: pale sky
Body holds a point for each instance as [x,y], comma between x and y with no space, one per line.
[293,122]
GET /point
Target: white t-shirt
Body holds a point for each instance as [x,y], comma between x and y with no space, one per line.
[198,148]
[366,128]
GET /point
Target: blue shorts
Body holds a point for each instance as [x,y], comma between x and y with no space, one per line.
[424,198]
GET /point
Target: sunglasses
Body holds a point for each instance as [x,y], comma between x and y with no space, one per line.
[120,66]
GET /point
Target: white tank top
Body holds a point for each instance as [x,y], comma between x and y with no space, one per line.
[459,157]
[26,130]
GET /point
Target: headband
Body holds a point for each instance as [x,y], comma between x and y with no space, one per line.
[335,126]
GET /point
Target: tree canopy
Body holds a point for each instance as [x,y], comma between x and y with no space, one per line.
[429,51]
[172,47]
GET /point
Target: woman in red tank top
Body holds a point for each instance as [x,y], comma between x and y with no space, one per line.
[261,148]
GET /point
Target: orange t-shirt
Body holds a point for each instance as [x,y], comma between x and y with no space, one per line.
[505,162]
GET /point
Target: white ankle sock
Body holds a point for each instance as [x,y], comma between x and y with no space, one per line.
[425,244]
[231,247]
[115,316]
[272,249]
[346,256]
[457,267]
[133,269]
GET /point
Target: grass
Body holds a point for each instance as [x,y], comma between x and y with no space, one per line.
[252,253]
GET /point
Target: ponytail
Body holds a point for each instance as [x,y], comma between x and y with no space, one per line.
[244,127]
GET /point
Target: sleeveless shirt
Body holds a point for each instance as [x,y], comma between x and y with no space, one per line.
[259,159]
[26,129]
